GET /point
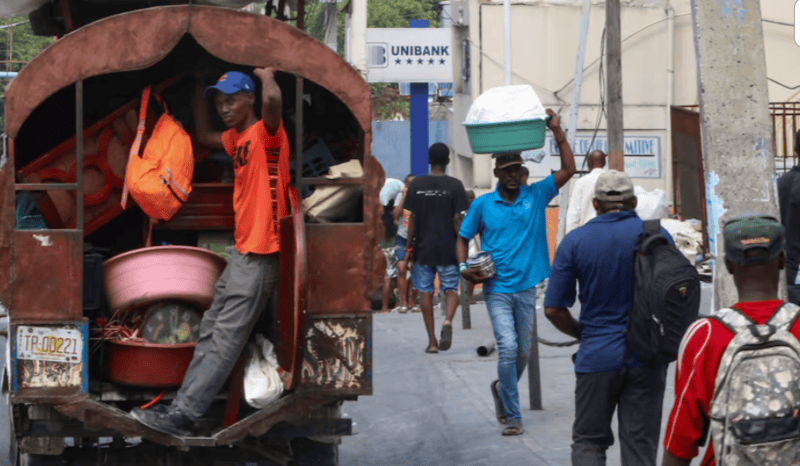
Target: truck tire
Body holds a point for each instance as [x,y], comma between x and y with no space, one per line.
[308,452]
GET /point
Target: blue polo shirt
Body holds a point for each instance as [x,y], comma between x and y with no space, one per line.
[599,255]
[515,234]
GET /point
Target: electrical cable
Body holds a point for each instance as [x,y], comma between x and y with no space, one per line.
[783,85]
[623,40]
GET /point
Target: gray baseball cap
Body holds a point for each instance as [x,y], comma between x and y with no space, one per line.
[613,186]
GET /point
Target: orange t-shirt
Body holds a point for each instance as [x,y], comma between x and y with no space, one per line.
[261,168]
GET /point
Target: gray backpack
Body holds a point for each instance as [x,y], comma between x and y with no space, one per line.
[755,411]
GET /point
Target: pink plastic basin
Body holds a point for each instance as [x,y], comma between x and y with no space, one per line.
[143,276]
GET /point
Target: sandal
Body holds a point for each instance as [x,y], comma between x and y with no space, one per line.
[446,338]
[499,409]
[432,349]
[512,430]
[402,309]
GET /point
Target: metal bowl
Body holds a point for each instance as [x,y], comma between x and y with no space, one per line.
[143,276]
[483,262]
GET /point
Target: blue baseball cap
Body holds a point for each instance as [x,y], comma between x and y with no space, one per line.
[231,83]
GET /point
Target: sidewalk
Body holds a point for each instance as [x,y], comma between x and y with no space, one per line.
[437,408]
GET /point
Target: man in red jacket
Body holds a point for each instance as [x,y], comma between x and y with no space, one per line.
[754,256]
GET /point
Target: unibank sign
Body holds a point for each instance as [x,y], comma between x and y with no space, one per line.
[412,55]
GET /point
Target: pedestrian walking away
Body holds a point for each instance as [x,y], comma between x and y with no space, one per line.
[391,190]
[789,198]
[260,152]
[408,295]
[512,224]
[436,202]
[609,376]
[738,372]
[580,209]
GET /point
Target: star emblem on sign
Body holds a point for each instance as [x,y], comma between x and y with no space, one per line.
[419,61]
[441,61]
[398,61]
[409,61]
[431,61]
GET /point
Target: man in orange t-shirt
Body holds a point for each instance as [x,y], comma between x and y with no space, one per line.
[260,153]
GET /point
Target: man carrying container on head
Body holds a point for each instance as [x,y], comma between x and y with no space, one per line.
[260,153]
[511,221]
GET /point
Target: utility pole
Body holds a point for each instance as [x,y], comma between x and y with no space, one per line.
[331,23]
[735,127]
[616,139]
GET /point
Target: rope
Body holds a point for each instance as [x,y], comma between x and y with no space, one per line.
[560,344]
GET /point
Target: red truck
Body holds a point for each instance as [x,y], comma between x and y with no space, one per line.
[69,119]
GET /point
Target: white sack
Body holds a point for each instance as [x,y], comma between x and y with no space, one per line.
[336,203]
[506,103]
[651,205]
[687,239]
[262,379]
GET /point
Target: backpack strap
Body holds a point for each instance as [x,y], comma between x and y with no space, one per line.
[737,321]
[732,319]
[785,316]
[652,227]
[650,236]
[134,152]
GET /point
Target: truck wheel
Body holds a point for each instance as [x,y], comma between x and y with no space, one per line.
[308,452]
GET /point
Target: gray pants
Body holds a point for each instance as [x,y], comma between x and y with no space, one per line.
[637,395]
[241,293]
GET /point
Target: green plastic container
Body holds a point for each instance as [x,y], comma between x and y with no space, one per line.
[520,135]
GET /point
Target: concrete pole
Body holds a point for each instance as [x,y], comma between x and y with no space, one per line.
[358,37]
[331,23]
[507,42]
[734,122]
[616,139]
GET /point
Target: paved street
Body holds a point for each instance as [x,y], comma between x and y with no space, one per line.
[437,408]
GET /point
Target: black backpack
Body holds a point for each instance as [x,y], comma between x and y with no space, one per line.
[666,296]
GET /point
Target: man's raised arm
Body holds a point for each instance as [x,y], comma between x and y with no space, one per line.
[271,99]
[567,158]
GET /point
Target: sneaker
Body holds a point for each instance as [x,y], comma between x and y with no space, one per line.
[164,418]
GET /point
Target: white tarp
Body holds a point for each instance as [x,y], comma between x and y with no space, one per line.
[14,8]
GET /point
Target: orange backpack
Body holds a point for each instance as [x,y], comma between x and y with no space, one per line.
[160,181]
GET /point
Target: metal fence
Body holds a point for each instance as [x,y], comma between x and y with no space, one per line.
[785,119]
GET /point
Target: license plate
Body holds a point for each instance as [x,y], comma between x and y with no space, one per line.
[49,344]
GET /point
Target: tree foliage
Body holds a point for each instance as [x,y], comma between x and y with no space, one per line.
[397,13]
[386,99]
[23,46]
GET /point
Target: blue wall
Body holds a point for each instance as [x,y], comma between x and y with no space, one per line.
[391,144]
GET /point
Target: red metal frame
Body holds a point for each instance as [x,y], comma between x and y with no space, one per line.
[260,41]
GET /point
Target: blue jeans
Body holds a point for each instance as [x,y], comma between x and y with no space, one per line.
[422,277]
[512,316]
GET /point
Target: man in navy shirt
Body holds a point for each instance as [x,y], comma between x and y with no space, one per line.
[599,256]
[511,221]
